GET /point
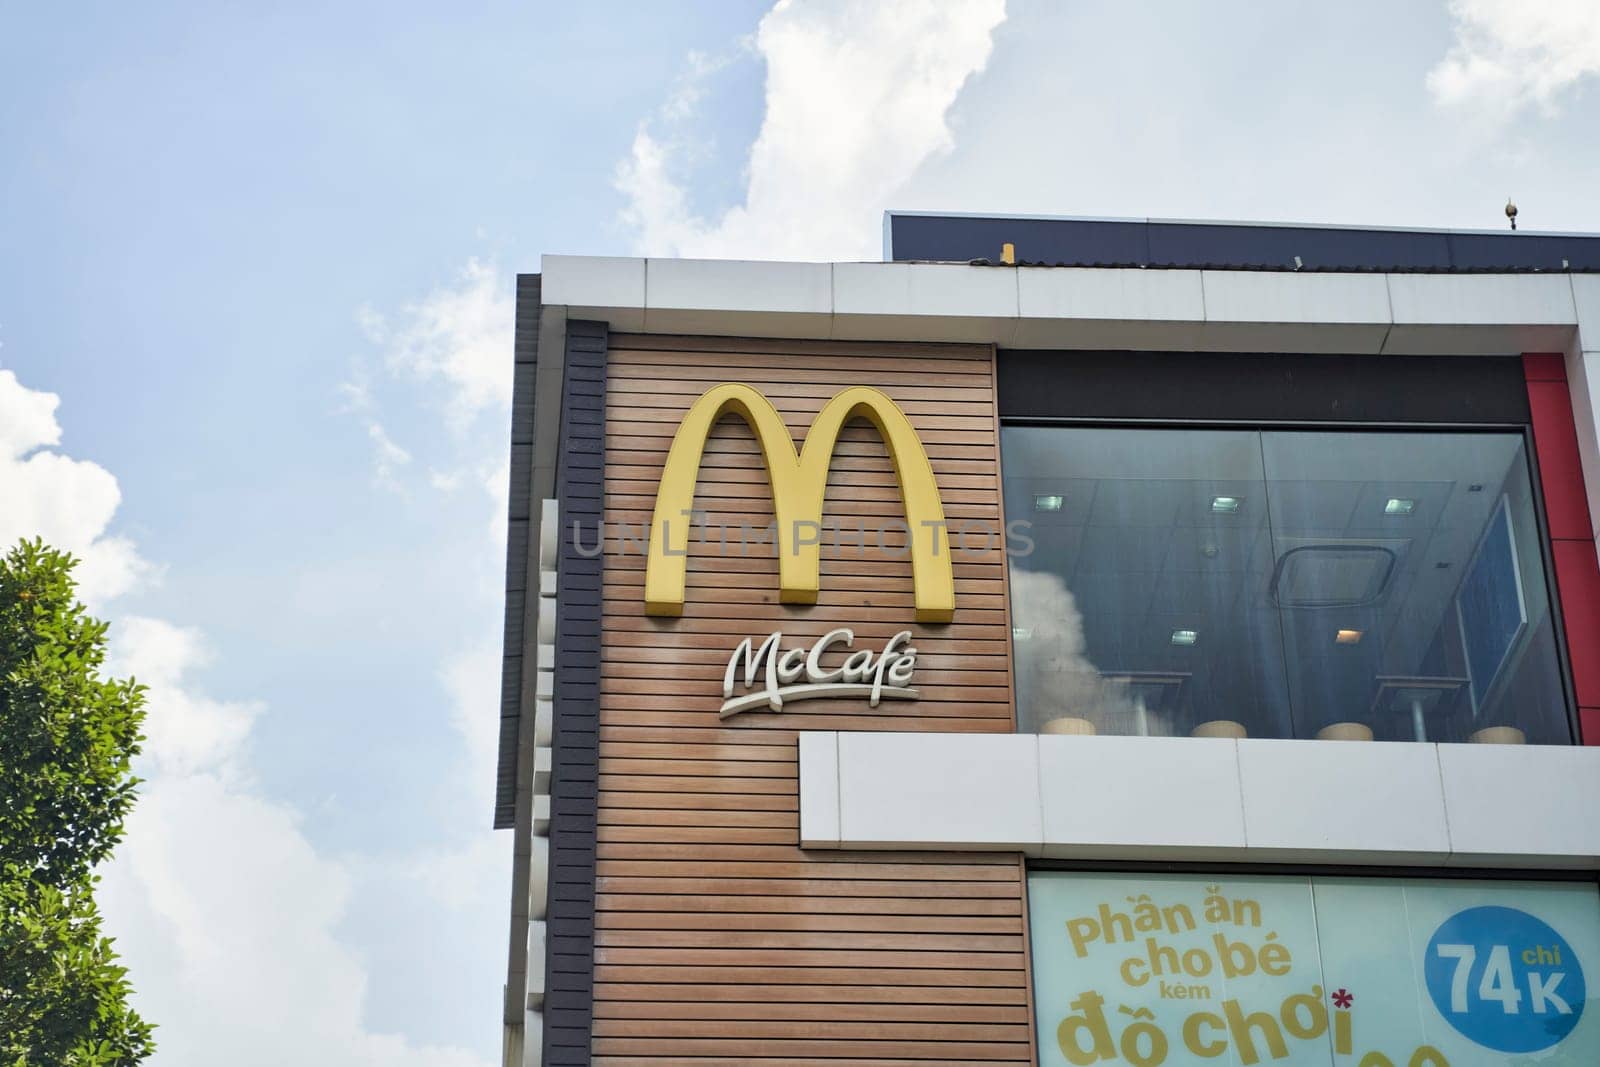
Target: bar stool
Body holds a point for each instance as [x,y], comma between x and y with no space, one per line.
[1220,728]
[1069,726]
[1345,731]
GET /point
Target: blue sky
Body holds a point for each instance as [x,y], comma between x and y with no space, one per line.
[262,260]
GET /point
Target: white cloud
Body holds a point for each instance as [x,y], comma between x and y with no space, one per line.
[857,98]
[691,88]
[388,457]
[469,876]
[67,502]
[445,481]
[227,917]
[495,478]
[1513,54]
[458,336]
[30,417]
[225,913]
[472,679]
[452,349]
[450,352]
[185,732]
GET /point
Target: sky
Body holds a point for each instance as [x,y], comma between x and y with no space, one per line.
[256,266]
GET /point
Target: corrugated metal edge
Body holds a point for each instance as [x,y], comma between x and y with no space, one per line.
[525,348]
[1272,268]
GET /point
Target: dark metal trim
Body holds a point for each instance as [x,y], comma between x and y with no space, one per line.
[1226,245]
[1191,387]
[1324,870]
[1547,557]
[518,531]
[580,482]
[1309,425]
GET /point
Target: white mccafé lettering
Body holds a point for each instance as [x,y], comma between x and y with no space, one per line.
[800,674]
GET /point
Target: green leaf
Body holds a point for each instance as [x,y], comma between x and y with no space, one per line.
[67,741]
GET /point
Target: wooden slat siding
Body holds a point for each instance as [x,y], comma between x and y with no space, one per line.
[569,919]
[717,939]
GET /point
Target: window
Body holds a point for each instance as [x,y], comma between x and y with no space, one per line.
[1340,584]
[1224,968]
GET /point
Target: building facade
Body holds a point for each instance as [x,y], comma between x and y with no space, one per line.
[1064,642]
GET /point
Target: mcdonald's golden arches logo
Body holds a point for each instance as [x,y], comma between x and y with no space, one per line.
[799,481]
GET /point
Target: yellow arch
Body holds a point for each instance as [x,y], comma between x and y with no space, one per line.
[799,482]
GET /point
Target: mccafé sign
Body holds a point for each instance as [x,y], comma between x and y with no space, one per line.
[799,481]
[800,674]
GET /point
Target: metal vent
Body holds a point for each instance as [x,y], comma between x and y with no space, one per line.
[1344,575]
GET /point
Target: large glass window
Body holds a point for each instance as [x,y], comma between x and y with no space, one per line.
[1344,585]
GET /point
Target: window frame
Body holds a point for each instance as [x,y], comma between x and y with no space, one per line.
[1211,376]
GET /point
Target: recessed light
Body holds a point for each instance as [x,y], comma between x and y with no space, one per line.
[1184,637]
[1399,506]
[1347,637]
[1021,633]
[1048,501]
[1226,505]
[1475,488]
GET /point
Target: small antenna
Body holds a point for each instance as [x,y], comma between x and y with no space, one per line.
[1511,212]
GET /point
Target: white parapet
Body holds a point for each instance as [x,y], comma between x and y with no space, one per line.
[1174,799]
[1075,307]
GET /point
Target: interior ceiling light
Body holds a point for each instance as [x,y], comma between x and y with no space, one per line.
[1347,637]
[1048,501]
[1226,505]
[1021,633]
[1399,506]
[1184,637]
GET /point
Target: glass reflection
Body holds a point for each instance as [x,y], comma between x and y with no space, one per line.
[1237,583]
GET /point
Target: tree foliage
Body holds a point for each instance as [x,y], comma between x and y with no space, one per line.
[67,739]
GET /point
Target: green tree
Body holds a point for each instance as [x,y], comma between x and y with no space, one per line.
[67,738]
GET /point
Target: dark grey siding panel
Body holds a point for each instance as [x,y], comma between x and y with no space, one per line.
[569,940]
[520,502]
[522,404]
[505,798]
[1235,246]
[1252,386]
[516,603]
[525,353]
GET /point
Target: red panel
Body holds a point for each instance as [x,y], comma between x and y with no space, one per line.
[1560,470]
[1544,367]
[1578,578]
[1589,725]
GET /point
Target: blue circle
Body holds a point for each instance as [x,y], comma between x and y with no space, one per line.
[1504,979]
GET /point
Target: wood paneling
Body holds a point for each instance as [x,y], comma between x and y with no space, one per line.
[717,939]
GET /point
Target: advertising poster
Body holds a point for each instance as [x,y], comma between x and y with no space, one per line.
[1336,972]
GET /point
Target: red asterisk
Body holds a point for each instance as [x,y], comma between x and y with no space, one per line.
[1342,998]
